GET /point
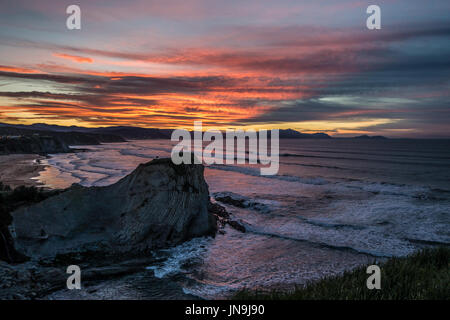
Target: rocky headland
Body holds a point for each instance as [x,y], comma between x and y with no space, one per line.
[109,231]
[159,204]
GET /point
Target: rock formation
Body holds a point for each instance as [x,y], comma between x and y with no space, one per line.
[223,217]
[239,201]
[157,205]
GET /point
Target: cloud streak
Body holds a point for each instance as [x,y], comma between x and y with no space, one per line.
[78,59]
[272,72]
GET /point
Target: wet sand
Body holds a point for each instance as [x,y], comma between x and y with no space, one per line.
[18,169]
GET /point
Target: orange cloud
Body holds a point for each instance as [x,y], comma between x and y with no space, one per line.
[73,58]
[17,69]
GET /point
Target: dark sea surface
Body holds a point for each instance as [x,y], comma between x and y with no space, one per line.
[335,204]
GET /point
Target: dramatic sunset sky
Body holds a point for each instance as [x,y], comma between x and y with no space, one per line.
[312,66]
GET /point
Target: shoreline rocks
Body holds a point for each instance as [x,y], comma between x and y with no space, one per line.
[239,201]
[224,218]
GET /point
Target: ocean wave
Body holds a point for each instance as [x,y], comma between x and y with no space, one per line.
[255,172]
[296,155]
[392,189]
[313,165]
[330,225]
[410,155]
[136,153]
[86,170]
[396,248]
[180,256]
[428,242]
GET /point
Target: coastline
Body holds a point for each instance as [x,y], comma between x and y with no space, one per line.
[122,282]
[19,169]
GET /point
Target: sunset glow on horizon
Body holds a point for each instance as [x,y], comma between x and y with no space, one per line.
[311,66]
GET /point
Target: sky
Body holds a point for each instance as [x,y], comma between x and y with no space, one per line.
[311,66]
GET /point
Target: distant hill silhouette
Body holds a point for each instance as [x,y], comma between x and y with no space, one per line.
[83,135]
[136,132]
[293,134]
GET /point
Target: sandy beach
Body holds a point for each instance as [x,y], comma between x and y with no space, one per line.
[18,169]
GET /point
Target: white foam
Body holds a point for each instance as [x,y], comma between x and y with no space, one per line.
[255,172]
[177,256]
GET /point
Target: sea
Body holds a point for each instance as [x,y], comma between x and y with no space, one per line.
[335,204]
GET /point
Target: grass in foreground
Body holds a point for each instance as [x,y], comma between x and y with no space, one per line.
[423,275]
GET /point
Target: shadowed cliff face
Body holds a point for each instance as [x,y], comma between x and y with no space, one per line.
[33,144]
[11,199]
[157,205]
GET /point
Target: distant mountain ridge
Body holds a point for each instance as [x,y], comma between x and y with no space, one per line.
[129,132]
[293,134]
[119,132]
[122,133]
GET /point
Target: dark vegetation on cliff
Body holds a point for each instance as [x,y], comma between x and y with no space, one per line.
[422,275]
